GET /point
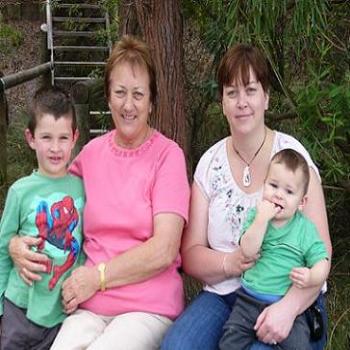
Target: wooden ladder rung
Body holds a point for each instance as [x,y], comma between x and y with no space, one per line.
[72,34]
[72,78]
[79,19]
[77,5]
[77,63]
[73,48]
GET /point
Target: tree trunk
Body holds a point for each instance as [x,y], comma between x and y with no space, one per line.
[160,23]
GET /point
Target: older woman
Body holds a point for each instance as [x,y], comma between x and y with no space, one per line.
[228,182]
[129,290]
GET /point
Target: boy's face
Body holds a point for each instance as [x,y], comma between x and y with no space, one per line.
[285,189]
[53,142]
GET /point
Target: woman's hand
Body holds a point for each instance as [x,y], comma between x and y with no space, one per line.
[79,287]
[27,262]
[274,323]
[236,263]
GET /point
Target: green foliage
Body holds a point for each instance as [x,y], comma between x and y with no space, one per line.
[20,158]
[10,38]
[109,5]
[305,43]
[322,107]
[260,22]
[211,129]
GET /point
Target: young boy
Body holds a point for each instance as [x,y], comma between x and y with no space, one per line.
[47,204]
[284,238]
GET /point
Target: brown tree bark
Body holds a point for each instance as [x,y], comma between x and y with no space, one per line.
[160,24]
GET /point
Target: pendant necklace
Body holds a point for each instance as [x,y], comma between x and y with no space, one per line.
[247,177]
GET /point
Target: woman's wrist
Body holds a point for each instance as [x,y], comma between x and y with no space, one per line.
[224,268]
[227,266]
[96,278]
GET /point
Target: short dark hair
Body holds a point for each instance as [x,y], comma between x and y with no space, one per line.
[135,52]
[54,101]
[293,160]
[236,64]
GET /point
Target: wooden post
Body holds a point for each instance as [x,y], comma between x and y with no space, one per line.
[3,138]
[45,55]
[80,96]
[25,75]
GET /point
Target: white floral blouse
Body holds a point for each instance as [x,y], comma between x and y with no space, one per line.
[228,204]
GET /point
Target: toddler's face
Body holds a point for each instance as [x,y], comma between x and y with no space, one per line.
[285,189]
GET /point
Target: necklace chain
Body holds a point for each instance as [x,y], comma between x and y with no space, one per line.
[247,177]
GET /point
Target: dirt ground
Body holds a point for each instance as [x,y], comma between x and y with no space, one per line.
[26,56]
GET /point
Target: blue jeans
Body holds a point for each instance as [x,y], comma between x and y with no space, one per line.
[201,325]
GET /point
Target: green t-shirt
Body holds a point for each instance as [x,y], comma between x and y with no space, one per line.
[52,207]
[296,244]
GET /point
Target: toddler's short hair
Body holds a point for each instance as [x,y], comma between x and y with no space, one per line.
[293,160]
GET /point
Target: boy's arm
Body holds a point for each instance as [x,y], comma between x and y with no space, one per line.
[253,237]
[8,228]
[304,277]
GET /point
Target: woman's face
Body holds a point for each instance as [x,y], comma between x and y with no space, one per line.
[130,104]
[244,106]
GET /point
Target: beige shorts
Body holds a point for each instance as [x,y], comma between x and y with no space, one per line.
[84,330]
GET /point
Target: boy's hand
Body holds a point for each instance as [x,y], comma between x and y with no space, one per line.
[266,210]
[300,277]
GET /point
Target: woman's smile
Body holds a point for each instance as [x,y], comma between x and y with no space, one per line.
[130,103]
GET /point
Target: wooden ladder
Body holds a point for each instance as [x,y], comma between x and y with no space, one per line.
[78,37]
[78,40]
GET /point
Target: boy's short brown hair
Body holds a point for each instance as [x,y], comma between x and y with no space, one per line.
[54,101]
[293,160]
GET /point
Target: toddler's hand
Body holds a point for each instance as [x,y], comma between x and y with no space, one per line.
[300,277]
[266,210]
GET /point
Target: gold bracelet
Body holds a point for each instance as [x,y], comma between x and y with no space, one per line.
[102,269]
[223,266]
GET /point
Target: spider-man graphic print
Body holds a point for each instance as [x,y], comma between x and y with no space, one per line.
[55,226]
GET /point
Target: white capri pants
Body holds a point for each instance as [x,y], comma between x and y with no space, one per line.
[84,330]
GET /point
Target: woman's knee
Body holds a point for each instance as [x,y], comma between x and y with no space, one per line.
[200,326]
